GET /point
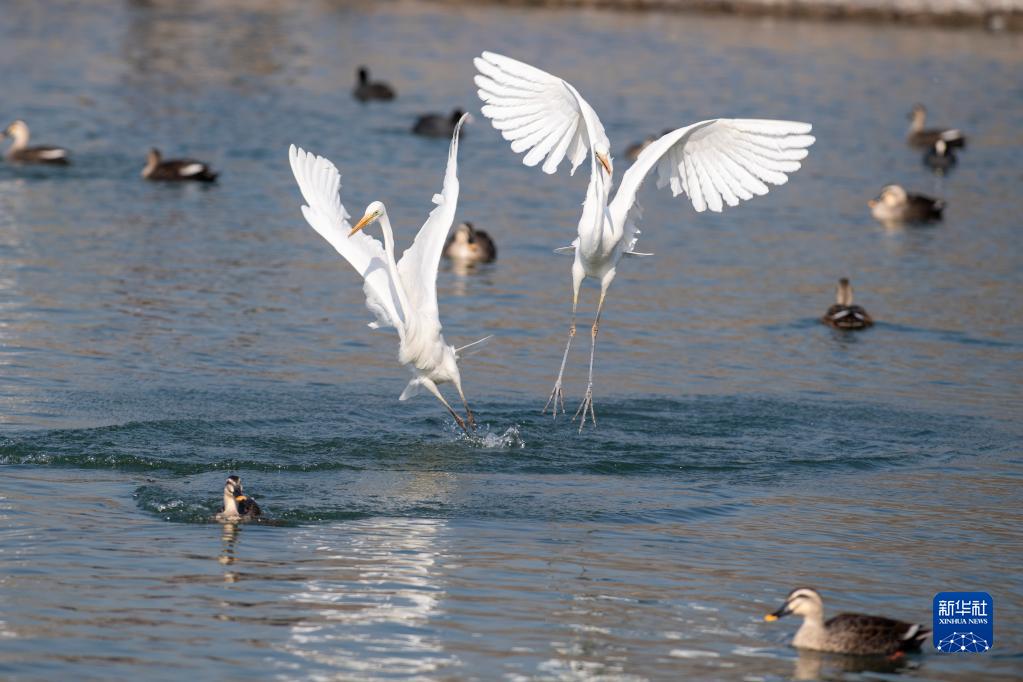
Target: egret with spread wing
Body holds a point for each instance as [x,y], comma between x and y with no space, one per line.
[402,295]
[714,162]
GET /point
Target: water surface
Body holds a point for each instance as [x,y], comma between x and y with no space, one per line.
[155,338]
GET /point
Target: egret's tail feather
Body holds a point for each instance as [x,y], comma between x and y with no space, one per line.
[565,250]
[472,348]
[636,254]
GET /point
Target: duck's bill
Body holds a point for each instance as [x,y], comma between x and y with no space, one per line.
[872,203]
[783,611]
[240,498]
[366,220]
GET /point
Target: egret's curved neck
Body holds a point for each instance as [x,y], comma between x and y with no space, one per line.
[392,265]
[594,228]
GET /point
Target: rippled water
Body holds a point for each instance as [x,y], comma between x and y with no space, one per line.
[154,338]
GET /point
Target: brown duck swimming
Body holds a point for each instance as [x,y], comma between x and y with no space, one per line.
[633,150]
[895,204]
[843,314]
[919,136]
[20,152]
[847,633]
[175,170]
[366,90]
[237,505]
[469,245]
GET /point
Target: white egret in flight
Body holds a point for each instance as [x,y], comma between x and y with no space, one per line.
[715,162]
[402,295]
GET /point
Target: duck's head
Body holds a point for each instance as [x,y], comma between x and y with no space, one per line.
[891,196]
[233,487]
[18,130]
[844,292]
[465,233]
[802,601]
[373,213]
[918,114]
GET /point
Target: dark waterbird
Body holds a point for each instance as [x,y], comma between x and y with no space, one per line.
[940,157]
[437,125]
[847,633]
[633,150]
[843,314]
[20,152]
[469,245]
[919,136]
[366,90]
[175,170]
[896,205]
[237,505]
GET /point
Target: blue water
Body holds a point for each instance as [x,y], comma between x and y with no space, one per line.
[155,338]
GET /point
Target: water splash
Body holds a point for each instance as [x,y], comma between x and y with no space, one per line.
[485,437]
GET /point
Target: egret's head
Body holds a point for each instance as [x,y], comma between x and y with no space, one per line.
[802,601]
[604,157]
[373,213]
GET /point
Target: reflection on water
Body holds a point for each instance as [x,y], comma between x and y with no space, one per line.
[372,595]
[816,665]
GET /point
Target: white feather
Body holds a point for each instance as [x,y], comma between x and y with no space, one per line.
[320,183]
[52,153]
[191,169]
[537,112]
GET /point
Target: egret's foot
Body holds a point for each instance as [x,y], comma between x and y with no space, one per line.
[586,406]
[460,422]
[472,419]
[556,397]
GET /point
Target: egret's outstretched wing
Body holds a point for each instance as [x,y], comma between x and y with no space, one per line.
[537,111]
[418,265]
[320,183]
[719,161]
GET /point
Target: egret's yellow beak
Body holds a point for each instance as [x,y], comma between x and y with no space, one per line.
[366,220]
[770,617]
[605,162]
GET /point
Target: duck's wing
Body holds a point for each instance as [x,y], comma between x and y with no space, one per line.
[45,153]
[856,633]
[537,112]
[320,183]
[715,162]
[418,265]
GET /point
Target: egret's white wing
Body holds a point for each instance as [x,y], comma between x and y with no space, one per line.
[719,161]
[320,183]
[538,112]
[418,265]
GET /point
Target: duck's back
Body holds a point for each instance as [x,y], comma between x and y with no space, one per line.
[854,633]
[51,155]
